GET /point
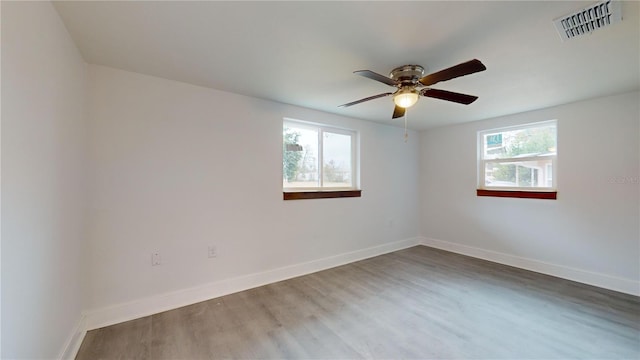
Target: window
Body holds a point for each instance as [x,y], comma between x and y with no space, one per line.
[318,158]
[518,161]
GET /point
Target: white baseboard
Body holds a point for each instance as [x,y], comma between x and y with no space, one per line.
[163,302]
[627,286]
[72,345]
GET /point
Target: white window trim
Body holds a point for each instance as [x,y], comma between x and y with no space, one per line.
[322,128]
[482,163]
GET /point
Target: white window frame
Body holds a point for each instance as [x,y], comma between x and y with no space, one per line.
[321,129]
[482,162]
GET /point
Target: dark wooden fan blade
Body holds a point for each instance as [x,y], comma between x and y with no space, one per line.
[365,99]
[377,77]
[449,96]
[398,112]
[469,67]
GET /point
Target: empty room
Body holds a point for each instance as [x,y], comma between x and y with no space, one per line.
[320,180]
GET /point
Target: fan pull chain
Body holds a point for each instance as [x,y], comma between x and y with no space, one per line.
[406,134]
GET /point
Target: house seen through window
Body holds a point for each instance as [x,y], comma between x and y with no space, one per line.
[317,157]
[518,158]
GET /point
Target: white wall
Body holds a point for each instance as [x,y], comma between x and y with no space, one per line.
[43,192]
[176,167]
[594,224]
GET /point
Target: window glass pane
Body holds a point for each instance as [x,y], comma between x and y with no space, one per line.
[315,157]
[534,174]
[527,142]
[299,157]
[336,158]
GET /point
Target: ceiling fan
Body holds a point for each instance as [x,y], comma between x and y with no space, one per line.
[411,83]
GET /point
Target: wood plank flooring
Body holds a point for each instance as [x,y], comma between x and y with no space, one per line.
[418,303]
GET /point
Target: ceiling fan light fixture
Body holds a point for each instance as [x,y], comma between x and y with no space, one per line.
[409,78]
[406,97]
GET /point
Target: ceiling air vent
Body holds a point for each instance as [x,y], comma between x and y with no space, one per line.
[589,19]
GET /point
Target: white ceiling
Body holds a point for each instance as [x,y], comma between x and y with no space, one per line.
[304,53]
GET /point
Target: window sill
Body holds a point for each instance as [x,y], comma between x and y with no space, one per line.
[548,195]
[303,195]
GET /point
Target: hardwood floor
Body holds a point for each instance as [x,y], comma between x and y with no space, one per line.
[416,303]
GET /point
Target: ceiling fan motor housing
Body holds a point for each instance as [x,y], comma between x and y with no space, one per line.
[407,75]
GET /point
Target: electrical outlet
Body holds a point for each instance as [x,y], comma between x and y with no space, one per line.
[155,259]
[213,252]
